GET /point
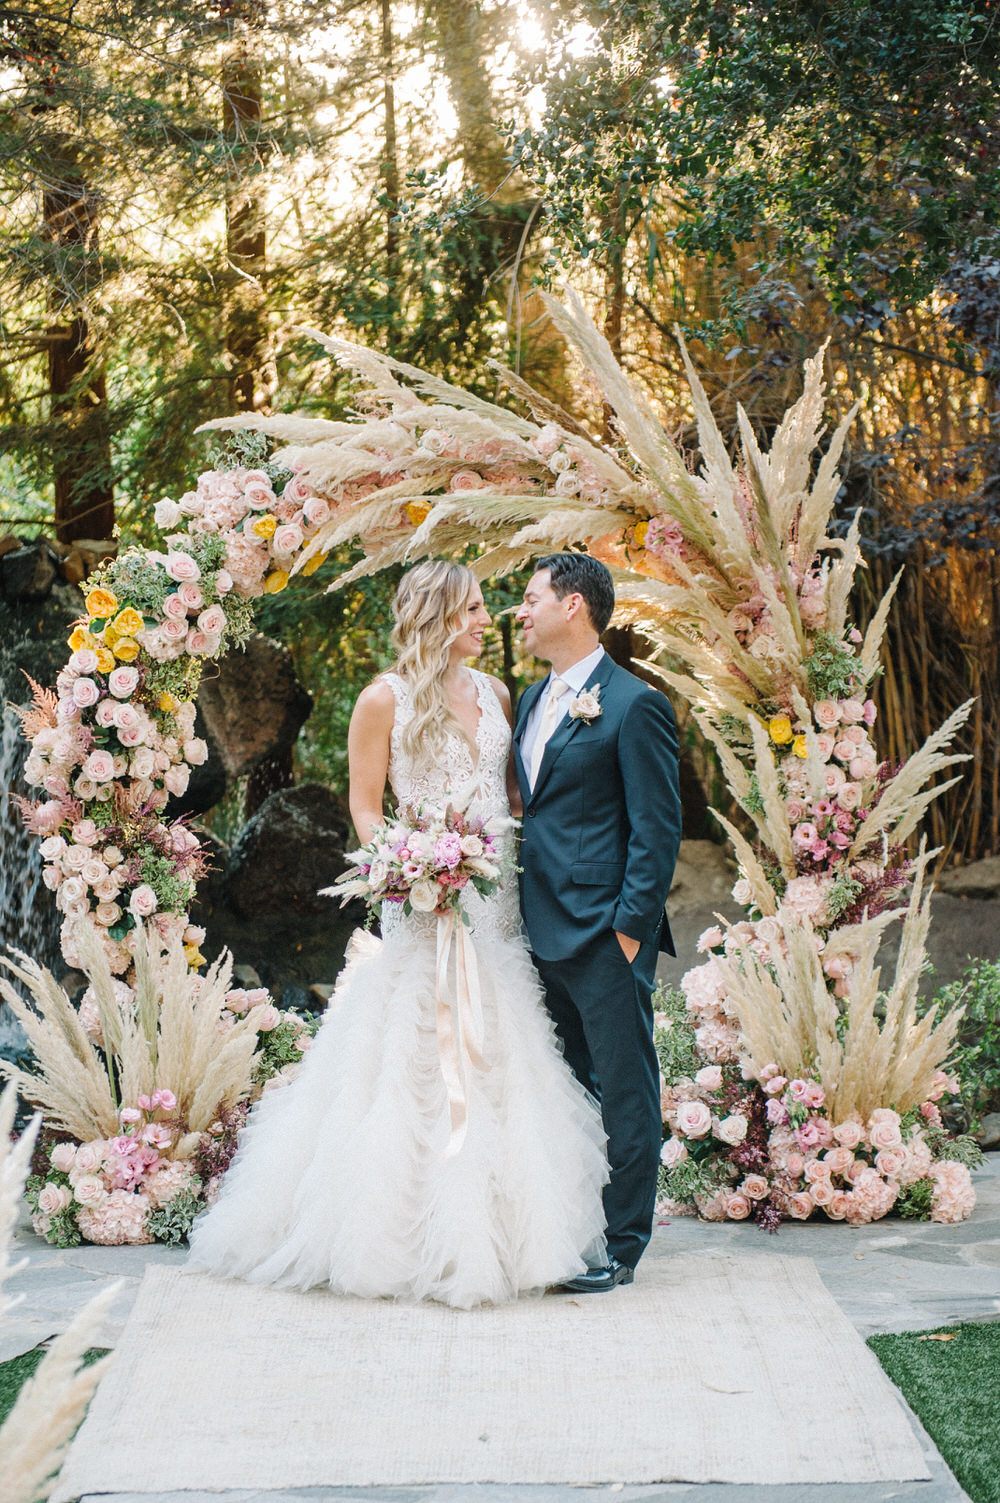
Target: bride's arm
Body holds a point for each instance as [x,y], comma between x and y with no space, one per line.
[513,791]
[368,756]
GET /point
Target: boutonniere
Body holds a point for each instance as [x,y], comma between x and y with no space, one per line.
[586,706]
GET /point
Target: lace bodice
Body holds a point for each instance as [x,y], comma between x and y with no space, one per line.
[459,778]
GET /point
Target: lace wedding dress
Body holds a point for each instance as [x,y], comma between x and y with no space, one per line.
[344,1177]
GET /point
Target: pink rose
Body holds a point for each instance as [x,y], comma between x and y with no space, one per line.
[732,1129]
[862,768]
[174,608]
[182,567]
[848,1134]
[885,1135]
[190,596]
[196,751]
[694,1119]
[84,661]
[107,914]
[174,629]
[54,1198]
[839,1205]
[167,514]
[89,1156]
[710,939]
[316,511]
[297,490]
[259,496]
[800,1205]
[737,1207]
[869,712]
[673,1153]
[266,1018]
[85,693]
[467,480]
[755,1187]
[839,1160]
[85,832]
[823,1192]
[143,901]
[89,1191]
[63,1157]
[198,642]
[123,681]
[827,714]
[890,1161]
[775,1085]
[709,1078]
[212,621]
[844,750]
[288,538]
[99,767]
[852,710]
[131,735]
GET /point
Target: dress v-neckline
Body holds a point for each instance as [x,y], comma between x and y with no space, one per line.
[472,747]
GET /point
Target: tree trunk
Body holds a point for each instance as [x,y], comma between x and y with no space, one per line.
[390,174]
[251,376]
[81,448]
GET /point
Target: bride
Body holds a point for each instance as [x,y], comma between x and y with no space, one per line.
[349,1176]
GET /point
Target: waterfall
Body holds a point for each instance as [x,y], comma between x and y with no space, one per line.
[28,916]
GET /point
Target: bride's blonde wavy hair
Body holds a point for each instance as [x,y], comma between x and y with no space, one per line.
[430,610]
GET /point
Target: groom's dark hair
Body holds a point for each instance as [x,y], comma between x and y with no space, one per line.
[579,574]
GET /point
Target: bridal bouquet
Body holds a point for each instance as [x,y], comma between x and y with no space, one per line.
[424,861]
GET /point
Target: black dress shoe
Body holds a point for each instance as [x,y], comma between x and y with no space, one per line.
[599,1280]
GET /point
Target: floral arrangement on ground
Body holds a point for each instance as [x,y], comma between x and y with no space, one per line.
[144,1088]
[737,1147]
[732,571]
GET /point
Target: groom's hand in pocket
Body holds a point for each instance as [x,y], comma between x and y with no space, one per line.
[630,946]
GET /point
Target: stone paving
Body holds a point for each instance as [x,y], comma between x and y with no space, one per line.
[892,1276]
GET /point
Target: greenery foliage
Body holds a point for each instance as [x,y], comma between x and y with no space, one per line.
[976,1059]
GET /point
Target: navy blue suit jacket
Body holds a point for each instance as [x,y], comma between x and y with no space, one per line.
[602,825]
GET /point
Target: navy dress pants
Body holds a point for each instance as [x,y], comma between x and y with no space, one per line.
[601,1006]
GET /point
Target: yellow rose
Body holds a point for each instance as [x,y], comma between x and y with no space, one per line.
[126,649]
[780,730]
[80,639]
[800,746]
[316,562]
[416,511]
[276,581]
[105,660]
[639,532]
[193,956]
[127,623]
[110,635]
[265,526]
[101,603]
[167,703]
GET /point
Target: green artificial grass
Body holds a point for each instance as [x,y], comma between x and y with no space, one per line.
[954,1387]
[15,1373]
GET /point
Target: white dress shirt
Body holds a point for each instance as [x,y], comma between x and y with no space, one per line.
[577,677]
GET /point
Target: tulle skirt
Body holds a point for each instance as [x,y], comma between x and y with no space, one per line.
[342,1178]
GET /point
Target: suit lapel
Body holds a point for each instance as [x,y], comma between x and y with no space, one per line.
[568,728]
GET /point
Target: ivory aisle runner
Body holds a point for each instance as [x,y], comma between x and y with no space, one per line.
[706,1369]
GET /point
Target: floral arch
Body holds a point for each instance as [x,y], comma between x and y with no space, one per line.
[806,1084]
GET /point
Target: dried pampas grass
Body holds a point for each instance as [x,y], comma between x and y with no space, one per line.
[50,1406]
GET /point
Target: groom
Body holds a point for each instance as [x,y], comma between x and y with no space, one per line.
[596,758]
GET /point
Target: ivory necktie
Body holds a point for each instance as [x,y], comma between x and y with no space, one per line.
[551,715]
